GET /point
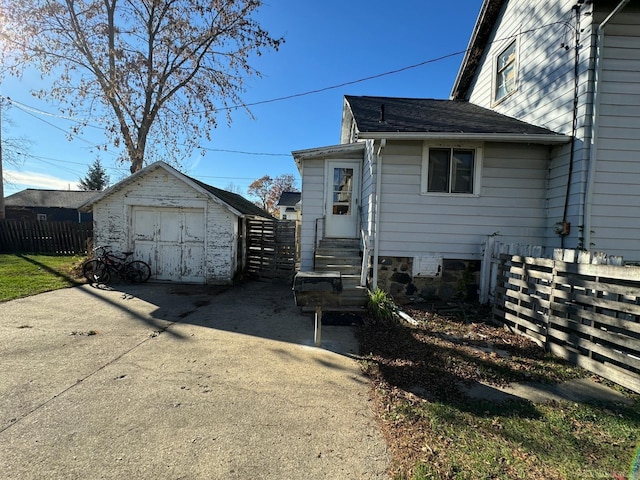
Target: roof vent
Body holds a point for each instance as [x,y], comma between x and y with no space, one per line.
[382,120]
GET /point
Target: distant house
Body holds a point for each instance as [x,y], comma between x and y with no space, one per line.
[538,144]
[186,230]
[48,205]
[289,205]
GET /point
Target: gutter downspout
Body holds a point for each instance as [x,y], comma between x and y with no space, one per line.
[595,117]
[376,239]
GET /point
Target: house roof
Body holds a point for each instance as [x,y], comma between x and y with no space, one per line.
[289,199]
[234,202]
[382,117]
[489,13]
[32,197]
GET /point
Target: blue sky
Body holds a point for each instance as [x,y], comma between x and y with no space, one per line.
[328,43]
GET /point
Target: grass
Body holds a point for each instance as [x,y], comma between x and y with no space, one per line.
[25,275]
[435,431]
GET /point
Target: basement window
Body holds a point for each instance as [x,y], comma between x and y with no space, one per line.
[450,170]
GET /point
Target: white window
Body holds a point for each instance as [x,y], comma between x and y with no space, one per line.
[451,170]
[506,70]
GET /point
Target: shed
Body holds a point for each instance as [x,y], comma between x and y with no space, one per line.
[187,231]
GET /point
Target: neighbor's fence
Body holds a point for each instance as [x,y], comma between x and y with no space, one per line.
[63,238]
[588,314]
[271,246]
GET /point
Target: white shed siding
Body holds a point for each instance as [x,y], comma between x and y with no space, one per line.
[545,90]
[511,202]
[616,192]
[113,218]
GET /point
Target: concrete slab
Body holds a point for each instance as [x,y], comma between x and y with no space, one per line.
[162,381]
[583,390]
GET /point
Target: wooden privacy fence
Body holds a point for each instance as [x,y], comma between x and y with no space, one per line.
[61,238]
[271,249]
[588,314]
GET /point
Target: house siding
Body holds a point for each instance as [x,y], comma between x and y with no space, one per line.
[312,209]
[511,203]
[544,95]
[113,221]
[615,206]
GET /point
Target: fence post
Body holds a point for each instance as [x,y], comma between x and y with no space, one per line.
[485,269]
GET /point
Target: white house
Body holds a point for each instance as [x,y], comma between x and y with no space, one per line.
[422,182]
[186,230]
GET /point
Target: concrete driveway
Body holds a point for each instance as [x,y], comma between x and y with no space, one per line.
[161,381]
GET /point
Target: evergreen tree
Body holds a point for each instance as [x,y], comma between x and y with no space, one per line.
[96,178]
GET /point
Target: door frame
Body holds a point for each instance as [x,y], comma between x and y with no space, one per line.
[342,226]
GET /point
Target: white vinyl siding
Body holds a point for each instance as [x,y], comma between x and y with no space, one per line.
[511,202]
[312,209]
[545,90]
[616,188]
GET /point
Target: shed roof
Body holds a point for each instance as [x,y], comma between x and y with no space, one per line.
[391,115]
[237,203]
[33,197]
[289,199]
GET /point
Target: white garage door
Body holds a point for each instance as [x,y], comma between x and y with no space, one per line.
[171,240]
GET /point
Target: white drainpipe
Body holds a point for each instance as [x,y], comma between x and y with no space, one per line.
[378,202]
[595,117]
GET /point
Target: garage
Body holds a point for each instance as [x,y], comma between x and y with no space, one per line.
[172,240]
[186,230]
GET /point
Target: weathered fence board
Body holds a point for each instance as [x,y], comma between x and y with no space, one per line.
[585,313]
[44,237]
[271,249]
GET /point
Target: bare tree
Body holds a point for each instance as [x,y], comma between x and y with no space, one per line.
[268,190]
[156,72]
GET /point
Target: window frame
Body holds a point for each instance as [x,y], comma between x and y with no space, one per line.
[476,175]
[497,71]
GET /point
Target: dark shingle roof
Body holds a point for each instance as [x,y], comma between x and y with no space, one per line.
[289,199]
[32,197]
[425,115]
[234,200]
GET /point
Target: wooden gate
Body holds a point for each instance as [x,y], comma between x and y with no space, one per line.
[271,249]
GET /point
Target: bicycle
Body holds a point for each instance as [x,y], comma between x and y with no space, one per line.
[102,268]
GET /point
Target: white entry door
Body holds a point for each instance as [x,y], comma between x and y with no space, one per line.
[171,240]
[342,194]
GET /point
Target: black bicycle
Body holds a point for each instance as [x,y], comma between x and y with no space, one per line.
[108,264]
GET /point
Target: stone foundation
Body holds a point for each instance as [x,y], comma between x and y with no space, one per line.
[458,279]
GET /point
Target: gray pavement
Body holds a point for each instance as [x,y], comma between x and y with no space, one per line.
[162,381]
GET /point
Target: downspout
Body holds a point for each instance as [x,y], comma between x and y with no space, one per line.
[595,117]
[378,202]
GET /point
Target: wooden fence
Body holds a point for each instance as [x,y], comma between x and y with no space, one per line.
[61,238]
[588,314]
[271,248]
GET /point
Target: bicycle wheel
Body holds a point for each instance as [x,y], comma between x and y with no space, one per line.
[96,271]
[140,271]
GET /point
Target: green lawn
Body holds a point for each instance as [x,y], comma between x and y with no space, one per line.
[436,432]
[24,275]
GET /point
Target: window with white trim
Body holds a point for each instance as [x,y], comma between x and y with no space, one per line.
[506,69]
[451,170]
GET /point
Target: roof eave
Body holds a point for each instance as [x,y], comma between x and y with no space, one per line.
[300,155]
[544,139]
[477,44]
